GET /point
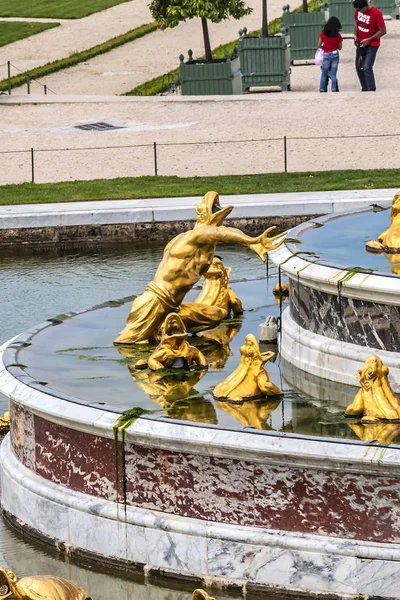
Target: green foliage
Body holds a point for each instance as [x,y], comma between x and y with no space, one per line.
[167,187]
[56,9]
[169,13]
[78,57]
[13,31]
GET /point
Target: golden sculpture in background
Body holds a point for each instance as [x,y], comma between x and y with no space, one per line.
[174,350]
[251,413]
[384,433]
[201,595]
[280,290]
[376,400]
[186,258]
[41,587]
[217,291]
[250,379]
[389,240]
[5,423]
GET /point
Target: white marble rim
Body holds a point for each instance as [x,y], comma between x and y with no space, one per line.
[60,495]
[271,449]
[361,286]
[162,210]
[330,359]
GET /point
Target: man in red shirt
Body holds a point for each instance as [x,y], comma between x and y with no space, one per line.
[368,30]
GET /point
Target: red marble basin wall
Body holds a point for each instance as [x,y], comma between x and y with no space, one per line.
[224,490]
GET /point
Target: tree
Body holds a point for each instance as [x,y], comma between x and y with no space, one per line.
[169,13]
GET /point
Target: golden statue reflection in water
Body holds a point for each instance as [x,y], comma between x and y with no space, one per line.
[384,433]
[251,413]
[186,258]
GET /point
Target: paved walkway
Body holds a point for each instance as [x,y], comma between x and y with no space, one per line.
[175,209]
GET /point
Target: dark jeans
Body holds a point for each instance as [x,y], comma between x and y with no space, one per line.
[365,58]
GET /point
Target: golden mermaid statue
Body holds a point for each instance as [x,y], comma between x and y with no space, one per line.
[186,258]
[40,587]
[389,240]
[375,400]
[249,380]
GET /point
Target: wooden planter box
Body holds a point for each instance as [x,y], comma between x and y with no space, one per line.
[344,11]
[201,78]
[304,29]
[264,62]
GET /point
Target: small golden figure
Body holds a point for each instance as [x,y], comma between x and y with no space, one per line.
[201,595]
[5,423]
[186,258]
[389,240]
[249,380]
[217,291]
[375,400]
[174,350]
[41,587]
[280,290]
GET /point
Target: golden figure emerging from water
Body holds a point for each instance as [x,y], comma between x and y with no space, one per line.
[250,379]
[41,587]
[217,291]
[376,400]
[389,240]
[174,349]
[186,258]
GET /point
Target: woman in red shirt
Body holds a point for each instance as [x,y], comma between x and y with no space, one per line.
[330,41]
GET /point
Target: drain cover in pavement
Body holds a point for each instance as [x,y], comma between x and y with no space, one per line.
[101,126]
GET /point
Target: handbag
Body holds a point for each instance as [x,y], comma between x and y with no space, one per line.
[319,56]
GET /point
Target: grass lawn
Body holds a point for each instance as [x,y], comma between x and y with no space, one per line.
[158,187]
[56,9]
[11,32]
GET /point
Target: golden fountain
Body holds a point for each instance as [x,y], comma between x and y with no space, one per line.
[250,379]
[375,400]
[186,258]
[389,240]
[40,587]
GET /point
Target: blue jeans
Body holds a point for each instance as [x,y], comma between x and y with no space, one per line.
[365,58]
[329,69]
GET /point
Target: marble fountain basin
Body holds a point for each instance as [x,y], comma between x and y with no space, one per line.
[265,495]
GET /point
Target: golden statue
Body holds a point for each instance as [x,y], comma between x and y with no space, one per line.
[174,350]
[250,379]
[41,587]
[389,240]
[5,423]
[201,595]
[384,433]
[251,413]
[376,400]
[280,290]
[186,258]
[217,291]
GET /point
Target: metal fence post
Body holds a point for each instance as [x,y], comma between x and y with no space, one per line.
[45,89]
[155,159]
[28,84]
[9,77]
[285,152]
[33,165]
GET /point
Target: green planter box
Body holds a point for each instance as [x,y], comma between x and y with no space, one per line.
[388,7]
[344,11]
[304,29]
[201,78]
[264,62]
